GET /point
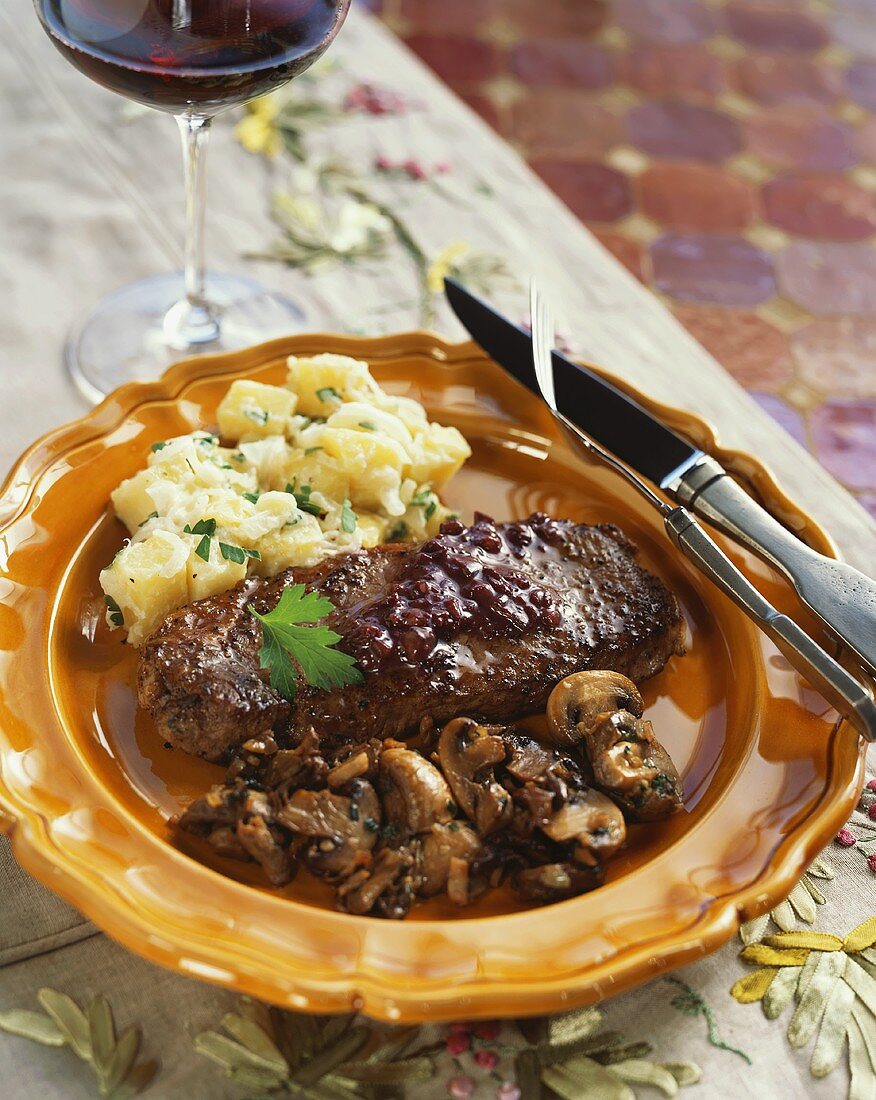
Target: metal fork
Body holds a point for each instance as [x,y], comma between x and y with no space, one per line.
[840,689]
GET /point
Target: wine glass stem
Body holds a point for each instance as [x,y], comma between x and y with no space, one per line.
[193,321]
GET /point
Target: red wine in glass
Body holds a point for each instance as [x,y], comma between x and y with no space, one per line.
[193,59]
[181,55]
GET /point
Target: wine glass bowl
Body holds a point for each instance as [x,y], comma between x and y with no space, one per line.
[192,59]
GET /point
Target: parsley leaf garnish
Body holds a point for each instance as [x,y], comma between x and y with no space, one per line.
[253,498]
[348,518]
[311,450]
[158,447]
[207,528]
[237,554]
[302,499]
[398,533]
[290,650]
[115,612]
[367,425]
[328,393]
[257,416]
[426,500]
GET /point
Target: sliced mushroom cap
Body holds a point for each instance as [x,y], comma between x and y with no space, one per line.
[388,885]
[468,753]
[592,822]
[344,827]
[576,702]
[633,767]
[555,881]
[415,795]
[443,843]
[260,842]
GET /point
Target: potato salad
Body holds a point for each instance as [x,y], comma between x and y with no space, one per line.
[326,464]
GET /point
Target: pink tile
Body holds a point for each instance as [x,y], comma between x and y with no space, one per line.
[865,140]
[459,61]
[677,130]
[629,252]
[844,439]
[822,207]
[569,62]
[564,123]
[829,278]
[665,20]
[669,71]
[713,268]
[595,192]
[751,349]
[695,197]
[780,78]
[452,17]
[861,83]
[782,31]
[796,136]
[837,355]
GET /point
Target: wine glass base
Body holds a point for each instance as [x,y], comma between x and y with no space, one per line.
[123,338]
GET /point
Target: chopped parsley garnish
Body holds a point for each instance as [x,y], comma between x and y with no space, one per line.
[311,450]
[115,612]
[253,498]
[237,554]
[367,425]
[152,515]
[257,416]
[207,528]
[290,650]
[158,447]
[208,440]
[399,532]
[328,393]
[239,456]
[426,500]
[348,518]
[302,499]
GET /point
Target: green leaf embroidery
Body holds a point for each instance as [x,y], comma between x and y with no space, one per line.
[92,1038]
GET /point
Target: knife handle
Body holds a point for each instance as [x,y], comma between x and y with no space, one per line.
[824,673]
[843,598]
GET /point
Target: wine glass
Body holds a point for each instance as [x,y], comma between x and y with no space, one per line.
[193,59]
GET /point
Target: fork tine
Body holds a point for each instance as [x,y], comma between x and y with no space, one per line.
[542,342]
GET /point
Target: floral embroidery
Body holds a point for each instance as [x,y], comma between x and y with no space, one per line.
[832,983]
[799,905]
[91,1035]
[692,1004]
[860,832]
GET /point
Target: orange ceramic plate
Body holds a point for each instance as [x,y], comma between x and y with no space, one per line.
[87,787]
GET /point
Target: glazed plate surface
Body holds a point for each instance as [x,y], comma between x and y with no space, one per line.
[87,786]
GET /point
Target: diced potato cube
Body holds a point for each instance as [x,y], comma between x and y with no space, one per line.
[437,454]
[207,578]
[271,512]
[374,464]
[359,417]
[147,580]
[323,382]
[269,458]
[372,528]
[300,543]
[252,410]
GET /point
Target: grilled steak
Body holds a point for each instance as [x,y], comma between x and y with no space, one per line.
[481,620]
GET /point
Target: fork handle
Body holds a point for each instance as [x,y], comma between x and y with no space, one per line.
[830,678]
[843,598]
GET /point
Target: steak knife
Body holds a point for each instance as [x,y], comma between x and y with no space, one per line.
[841,596]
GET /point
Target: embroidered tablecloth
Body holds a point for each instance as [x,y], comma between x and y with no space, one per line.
[354,192]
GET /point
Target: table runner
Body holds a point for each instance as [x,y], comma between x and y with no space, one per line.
[91,195]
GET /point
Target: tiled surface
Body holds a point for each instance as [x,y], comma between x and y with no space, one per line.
[725,152]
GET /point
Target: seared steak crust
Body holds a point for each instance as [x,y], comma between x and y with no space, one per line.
[483,621]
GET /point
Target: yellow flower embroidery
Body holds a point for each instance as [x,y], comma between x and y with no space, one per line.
[442,265]
[257,131]
[832,982]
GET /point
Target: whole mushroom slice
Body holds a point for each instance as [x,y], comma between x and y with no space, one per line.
[577,702]
[468,753]
[633,767]
[443,844]
[344,827]
[591,823]
[415,794]
[266,846]
[387,886]
[555,881]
